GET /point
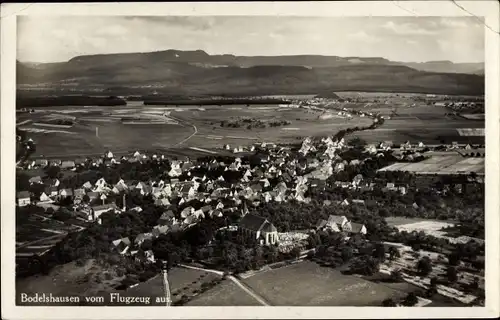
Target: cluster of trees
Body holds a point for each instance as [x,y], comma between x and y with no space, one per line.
[80,100]
[251,123]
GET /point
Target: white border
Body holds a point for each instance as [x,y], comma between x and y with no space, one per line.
[487,9]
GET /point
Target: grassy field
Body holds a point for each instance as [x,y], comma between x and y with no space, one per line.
[182,282]
[227,293]
[307,284]
[68,280]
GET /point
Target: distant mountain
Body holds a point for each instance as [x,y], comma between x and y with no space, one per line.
[446,66]
[196,72]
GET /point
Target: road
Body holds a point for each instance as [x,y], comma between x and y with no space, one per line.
[247,289]
[189,124]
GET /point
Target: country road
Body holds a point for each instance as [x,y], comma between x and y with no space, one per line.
[247,289]
[192,135]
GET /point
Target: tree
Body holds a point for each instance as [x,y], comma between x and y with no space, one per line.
[389,303]
[396,276]
[453,259]
[410,300]
[393,253]
[53,172]
[424,266]
[379,252]
[451,274]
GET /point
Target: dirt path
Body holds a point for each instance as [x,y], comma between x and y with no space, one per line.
[235,280]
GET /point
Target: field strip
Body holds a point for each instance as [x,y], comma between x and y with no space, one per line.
[220,273]
[202,150]
[249,291]
[237,137]
[23,122]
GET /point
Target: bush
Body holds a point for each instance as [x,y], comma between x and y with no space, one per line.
[389,303]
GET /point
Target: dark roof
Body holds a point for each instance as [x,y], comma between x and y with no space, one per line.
[108,206]
[268,227]
[256,187]
[321,223]
[337,219]
[23,194]
[356,227]
[252,222]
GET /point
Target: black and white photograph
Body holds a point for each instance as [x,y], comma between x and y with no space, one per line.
[251,159]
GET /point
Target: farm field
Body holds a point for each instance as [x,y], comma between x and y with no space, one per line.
[227,293]
[166,127]
[182,282]
[442,164]
[397,221]
[307,284]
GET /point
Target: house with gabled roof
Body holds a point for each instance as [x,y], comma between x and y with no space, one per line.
[79,193]
[162,202]
[93,195]
[36,179]
[357,228]
[122,245]
[141,237]
[66,193]
[166,218]
[187,212]
[51,191]
[68,164]
[340,221]
[45,197]
[23,198]
[87,185]
[259,229]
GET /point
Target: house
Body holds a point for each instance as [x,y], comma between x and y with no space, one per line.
[166,218]
[41,163]
[67,164]
[337,222]
[357,228]
[141,237]
[36,179]
[258,229]
[188,191]
[100,183]
[93,195]
[187,212]
[45,197]
[122,245]
[94,212]
[87,185]
[79,193]
[216,213]
[358,201]
[55,162]
[23,198]
[162,202]
[66,193]
[144,188]
[51,191]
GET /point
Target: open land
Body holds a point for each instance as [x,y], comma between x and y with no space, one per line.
[137,127]
[442,164]
[308,284]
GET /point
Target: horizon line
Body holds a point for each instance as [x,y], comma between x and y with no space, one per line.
[236,55]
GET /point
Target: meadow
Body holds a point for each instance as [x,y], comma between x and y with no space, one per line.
[308,284]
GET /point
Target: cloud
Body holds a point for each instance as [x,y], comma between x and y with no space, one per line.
[363,36]
[406,28]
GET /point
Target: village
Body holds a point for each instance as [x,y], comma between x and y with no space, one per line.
[236,191]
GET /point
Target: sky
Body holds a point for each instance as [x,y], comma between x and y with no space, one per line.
[407,39]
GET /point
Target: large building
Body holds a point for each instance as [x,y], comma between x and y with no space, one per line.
[258,229]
